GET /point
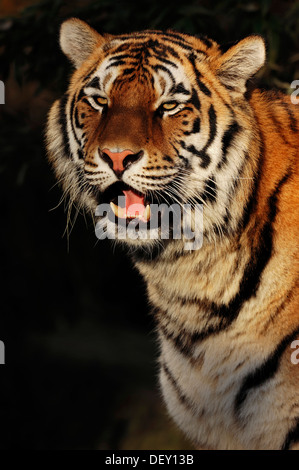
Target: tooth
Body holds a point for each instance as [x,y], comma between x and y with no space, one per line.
[147,213]
[118,211]
[114,208]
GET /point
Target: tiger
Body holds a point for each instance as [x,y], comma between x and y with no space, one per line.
[163,116]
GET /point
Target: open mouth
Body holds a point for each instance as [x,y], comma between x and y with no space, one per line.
[127,203]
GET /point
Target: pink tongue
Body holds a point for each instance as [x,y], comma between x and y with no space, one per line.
[134,204]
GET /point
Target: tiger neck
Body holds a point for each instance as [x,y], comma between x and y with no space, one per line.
[184,285]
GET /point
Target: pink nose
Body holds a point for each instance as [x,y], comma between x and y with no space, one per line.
[117,158]
[119,161]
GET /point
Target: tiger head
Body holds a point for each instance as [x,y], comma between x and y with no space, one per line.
[155,117]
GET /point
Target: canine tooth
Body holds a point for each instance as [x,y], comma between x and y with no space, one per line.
[118,211]
[147,213]
[114,207]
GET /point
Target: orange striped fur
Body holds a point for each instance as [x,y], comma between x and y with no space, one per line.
[226,314]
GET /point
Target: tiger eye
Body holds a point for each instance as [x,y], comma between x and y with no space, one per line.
[101,100]
[169,106]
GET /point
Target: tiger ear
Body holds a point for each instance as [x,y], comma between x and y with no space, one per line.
[241,62]
[78,40]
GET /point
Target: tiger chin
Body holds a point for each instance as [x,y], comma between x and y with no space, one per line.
[158,117]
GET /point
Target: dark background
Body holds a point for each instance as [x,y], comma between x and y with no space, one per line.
[81,355]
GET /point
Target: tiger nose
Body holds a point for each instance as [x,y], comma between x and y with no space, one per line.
[120,161]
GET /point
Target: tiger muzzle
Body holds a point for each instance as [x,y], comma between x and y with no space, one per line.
[120,161]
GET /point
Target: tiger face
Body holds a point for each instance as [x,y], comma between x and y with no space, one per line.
[153,118]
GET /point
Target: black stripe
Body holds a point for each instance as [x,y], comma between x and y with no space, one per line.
[72,117]
[181,396]
[253,198]
[77,122]
[264,372]
[155,177]
[171,34]
[195,100]
[223,228]
[207,42]
[179,88]
[115,64]
[171,51]
[259,258]
[227,140]
[139,51]
[121,81]
[213,126]
[185,160]
[93,172]
[210,191]
[184,46]
[81,95]
[166,36]
[165,69]
[175,39]
[181,44]
[94,83]
[128,71]
[185,341]
[121,48]
[292,118]
[90,73]
[196,126]
[292,437]
[166,48]
[85,100]
[160,49]
[164,60]
[279,127]
[205,158]
[201,85]
[287,299]
[119,57]
[132,37]
[80,154]
[63,123]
